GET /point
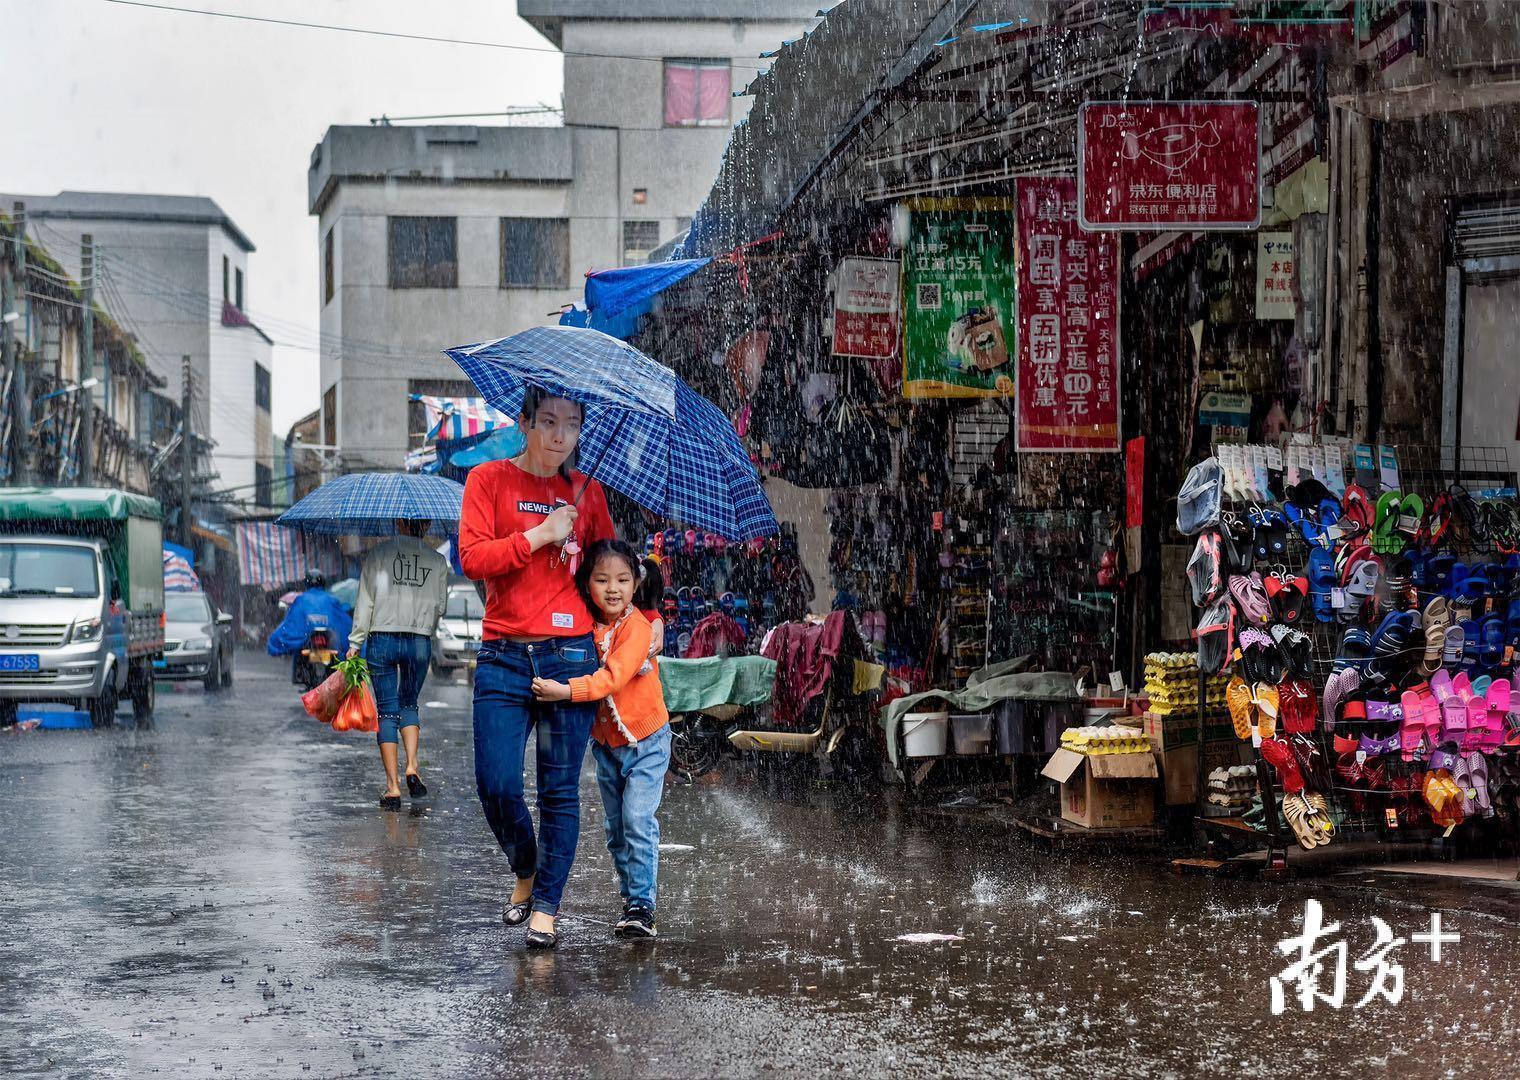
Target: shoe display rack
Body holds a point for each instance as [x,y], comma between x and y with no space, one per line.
[1323,696]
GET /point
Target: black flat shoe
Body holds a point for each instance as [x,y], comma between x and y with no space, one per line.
[390,802]
[537,939]
[415,787]
[517,914]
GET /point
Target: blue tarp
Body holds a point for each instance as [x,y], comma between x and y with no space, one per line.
[616,298]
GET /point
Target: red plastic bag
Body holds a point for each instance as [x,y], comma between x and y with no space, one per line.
[322,701]
[357,711]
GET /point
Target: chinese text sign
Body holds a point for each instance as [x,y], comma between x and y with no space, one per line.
[1068,355]
[959,299]
[1168,165]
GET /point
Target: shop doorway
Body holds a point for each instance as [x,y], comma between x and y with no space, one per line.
[1481,374]
[1491,366]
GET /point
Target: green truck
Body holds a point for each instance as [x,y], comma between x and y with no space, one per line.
[81,599]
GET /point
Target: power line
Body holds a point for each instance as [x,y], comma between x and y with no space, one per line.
[397,34]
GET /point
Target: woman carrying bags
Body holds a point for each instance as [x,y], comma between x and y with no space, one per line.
[524,525]
[403,590]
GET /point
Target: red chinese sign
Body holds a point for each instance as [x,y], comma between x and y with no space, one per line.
[866,308]
[1068,369]
[1169,165]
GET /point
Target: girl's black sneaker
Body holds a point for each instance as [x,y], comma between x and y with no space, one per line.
[637,922]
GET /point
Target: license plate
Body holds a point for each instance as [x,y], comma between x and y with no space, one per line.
[160,664]
[23,662]
[472,646]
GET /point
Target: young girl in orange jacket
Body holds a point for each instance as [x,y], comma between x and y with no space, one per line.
[631,736]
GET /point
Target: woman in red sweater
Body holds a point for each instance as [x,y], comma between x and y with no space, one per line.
[524,525]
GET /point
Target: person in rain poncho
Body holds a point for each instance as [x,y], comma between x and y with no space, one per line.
[403,591]
[314,608]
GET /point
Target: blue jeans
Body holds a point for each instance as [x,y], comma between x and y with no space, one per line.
[505,711]
[632,779]
[398,666]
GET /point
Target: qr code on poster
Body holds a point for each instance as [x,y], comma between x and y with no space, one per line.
[928,296]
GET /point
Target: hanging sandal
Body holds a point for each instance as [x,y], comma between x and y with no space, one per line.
[1238,697]
[1296,812]
[415,787]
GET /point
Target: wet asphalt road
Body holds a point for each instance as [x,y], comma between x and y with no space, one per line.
[220,896]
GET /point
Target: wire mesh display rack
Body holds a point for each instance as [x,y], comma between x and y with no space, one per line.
[1364,812]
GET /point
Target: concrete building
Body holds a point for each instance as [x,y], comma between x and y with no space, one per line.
[432,236]
[175,270]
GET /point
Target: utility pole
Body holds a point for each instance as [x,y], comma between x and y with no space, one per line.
[8,365]
[21,411]
[186,455]
[87,362]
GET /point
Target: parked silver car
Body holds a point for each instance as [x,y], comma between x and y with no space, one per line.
[197,641]
[457,640]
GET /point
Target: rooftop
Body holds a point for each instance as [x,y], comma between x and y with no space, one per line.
[440,153]
[549,16]
[121,206]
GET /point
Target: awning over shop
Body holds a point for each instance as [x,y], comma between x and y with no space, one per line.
[272,555]
[616,298]
[459,417]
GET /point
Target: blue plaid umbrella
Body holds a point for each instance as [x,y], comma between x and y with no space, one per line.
[368,504]
[647,434]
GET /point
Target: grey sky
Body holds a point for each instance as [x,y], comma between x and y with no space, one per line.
[126,99]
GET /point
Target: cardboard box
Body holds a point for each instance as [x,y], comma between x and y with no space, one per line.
[1179,767]
[1177,730]
[1105,791]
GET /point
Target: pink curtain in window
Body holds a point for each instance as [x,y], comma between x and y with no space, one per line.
[715,93]
[680,93]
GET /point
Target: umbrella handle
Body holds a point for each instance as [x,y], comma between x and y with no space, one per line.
[587,482]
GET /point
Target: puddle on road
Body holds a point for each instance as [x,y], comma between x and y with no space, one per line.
[806,931]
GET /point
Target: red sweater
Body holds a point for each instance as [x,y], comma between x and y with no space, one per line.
[528,593]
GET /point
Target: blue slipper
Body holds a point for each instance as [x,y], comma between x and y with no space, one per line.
[1322,579]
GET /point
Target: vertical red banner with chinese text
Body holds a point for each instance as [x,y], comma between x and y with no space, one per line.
[1068,369]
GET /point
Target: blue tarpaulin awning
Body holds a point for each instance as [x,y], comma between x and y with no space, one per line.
[616,298]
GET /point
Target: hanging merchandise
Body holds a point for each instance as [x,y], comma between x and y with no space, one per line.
[1369,644]
[1068,347]
[960,288]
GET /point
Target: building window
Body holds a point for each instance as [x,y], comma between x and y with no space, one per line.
[237,300]
[697,92]
[330,416]
[639,239]
[226,279]
[263,484]
[422,253]
[535,253]
[261,386]
[327,268]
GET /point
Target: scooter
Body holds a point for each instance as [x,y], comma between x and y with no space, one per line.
[317,660]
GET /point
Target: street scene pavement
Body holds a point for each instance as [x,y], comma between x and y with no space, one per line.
[219,895]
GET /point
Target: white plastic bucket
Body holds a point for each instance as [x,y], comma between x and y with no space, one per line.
[925,734]
[972,733]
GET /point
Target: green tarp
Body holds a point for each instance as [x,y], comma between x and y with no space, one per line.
[75,504]
[985,688]
[692,685]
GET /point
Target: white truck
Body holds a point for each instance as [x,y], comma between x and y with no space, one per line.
[81,599]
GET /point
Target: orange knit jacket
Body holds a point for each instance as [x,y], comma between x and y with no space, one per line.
[633,705]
